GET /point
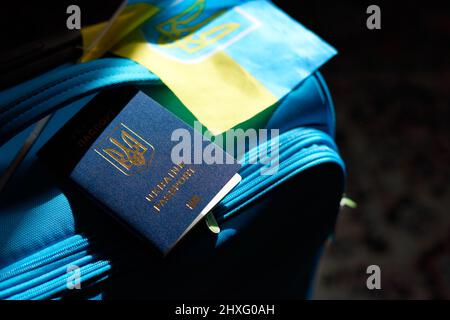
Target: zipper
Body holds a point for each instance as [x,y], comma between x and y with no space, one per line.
[19,276]
[296,143]
[18,285]
[286,140]
[42,260]
[59,284]
[23,284]
[231,205]
[299,149]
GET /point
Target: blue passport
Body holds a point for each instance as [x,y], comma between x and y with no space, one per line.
[122,157]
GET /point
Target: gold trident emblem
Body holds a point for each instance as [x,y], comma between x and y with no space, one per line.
[178,31]
[132,154]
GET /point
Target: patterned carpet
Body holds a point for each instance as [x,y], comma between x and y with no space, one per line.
[392,97]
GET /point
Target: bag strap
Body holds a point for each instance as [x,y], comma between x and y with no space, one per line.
[30,101]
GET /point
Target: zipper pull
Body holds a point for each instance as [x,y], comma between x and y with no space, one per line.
[347,202]
[211,222]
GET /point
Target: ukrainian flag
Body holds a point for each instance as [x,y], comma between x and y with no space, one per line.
[227,61]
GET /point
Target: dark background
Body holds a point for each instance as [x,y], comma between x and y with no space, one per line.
[392,99]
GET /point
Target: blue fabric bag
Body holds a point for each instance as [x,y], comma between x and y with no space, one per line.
[272,227]
[268,241]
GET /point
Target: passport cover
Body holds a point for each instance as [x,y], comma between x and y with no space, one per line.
[121,156]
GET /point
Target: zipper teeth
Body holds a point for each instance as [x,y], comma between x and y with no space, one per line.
[47,287]
[290,165]
[249,176]
[259,178]
[82,243]
[310,143]
[254,176]
[291,146]
[285,145]
[23,285]
[287,137]
[228,212]
[231,212]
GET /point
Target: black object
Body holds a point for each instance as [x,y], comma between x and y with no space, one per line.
[35,38]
